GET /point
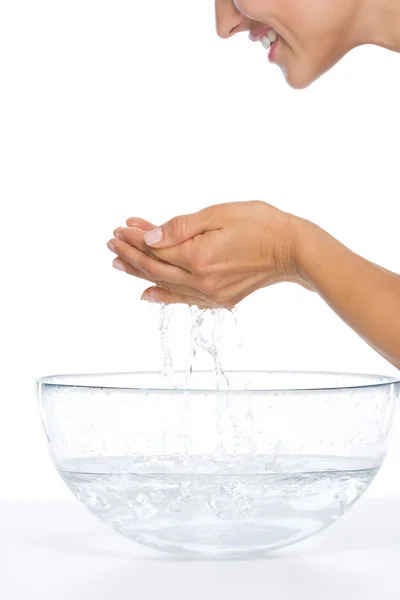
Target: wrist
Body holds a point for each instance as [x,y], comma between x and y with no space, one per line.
[309,241]
[317,253]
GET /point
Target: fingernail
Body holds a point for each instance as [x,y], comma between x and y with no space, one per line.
[148,296]
[153,237]
[117,231]
[118,264]
[111,247]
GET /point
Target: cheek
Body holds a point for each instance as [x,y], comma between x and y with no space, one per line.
[252,9]
[315,20]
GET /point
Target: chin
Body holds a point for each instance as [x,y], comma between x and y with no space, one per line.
[300,80]
[300,76]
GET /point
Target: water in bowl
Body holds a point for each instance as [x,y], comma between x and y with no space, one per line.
[197,505]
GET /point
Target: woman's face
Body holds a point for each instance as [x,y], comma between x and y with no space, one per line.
[313,34]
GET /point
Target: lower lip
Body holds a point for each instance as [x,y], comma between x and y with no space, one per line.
[273,50]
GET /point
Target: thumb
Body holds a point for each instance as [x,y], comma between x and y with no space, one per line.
[140,224]
[181,229]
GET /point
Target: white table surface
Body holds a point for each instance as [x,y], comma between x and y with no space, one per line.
[57,551]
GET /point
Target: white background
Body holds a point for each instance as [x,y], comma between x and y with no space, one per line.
[115,109]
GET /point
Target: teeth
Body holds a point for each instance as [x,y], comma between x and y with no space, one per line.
[269,39]
[272,36]
[265,42]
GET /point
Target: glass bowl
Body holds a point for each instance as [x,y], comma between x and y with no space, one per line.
[270,461]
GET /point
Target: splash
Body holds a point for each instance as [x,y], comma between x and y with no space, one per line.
[208,332]
[167,368]
[210,340]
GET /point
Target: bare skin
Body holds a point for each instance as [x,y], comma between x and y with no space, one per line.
[220,255]
[314,34]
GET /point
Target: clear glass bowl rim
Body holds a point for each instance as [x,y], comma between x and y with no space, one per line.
[63,381]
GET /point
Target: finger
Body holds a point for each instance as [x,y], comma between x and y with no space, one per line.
[140,224]
[183,228]
[121,265]
[231,294]
[135,237]
[190,256]
[161,296]
[180,256]
[116,231]
[155,269]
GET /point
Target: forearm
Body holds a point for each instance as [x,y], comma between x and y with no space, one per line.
[365,295]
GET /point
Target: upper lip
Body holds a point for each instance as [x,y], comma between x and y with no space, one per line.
[257,34]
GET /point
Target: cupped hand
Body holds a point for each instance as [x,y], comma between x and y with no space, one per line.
[212,258]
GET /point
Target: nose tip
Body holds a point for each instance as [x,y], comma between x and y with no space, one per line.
[226,32]
[228,19]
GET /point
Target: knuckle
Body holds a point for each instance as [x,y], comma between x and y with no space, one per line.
[203,287]
[165,286]
[211,285]
[199,265]
[152,270]
[257,203]
[178,227]
[208,286]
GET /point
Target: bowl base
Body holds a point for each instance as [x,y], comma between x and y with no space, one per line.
[242,541]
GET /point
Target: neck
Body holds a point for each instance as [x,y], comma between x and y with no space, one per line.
[379,24]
